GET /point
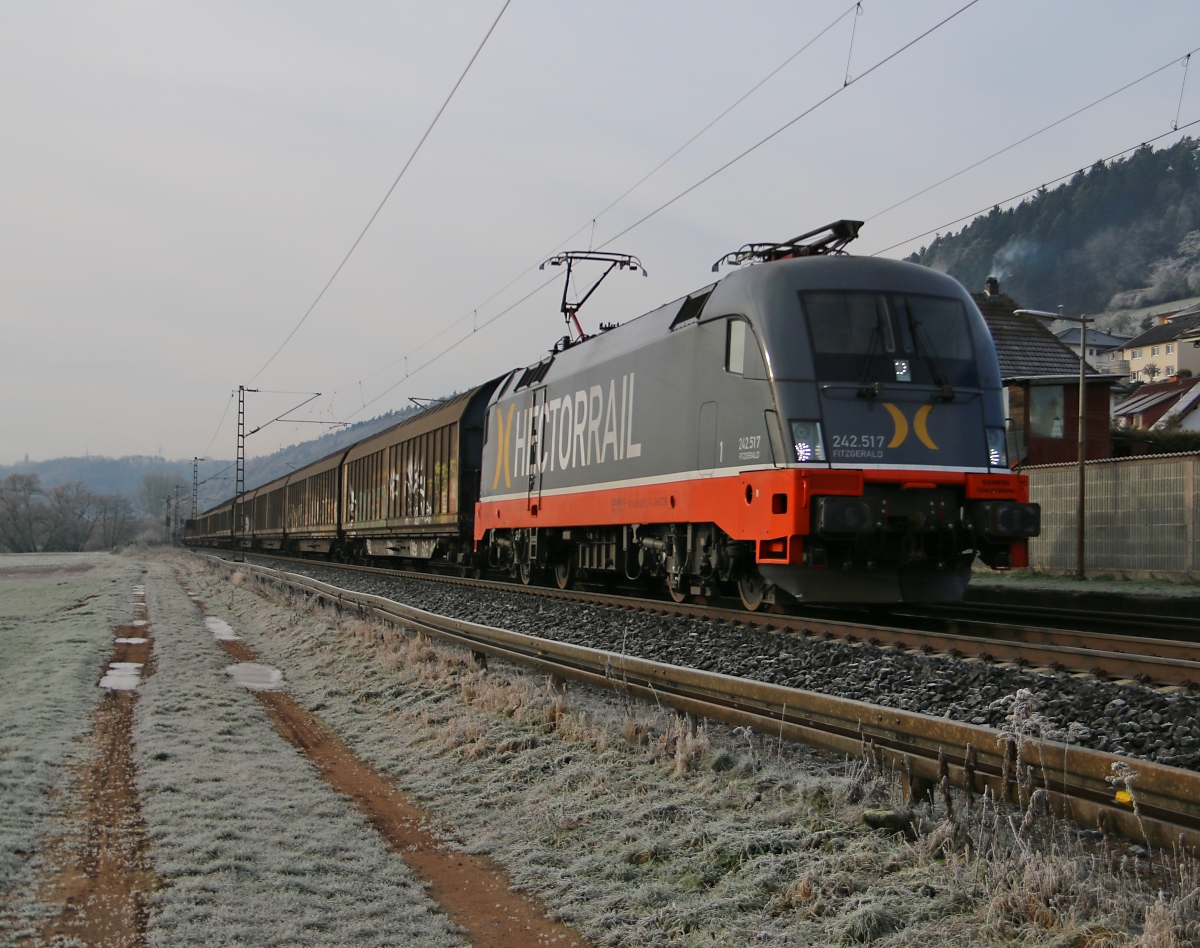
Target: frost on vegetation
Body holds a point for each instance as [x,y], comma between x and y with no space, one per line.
[52,658]
[251,845]
[639,827]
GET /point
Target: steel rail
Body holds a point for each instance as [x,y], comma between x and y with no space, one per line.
[1103,655]
[971,612]
[1162,808]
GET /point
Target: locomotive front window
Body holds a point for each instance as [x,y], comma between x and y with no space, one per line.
[889,337]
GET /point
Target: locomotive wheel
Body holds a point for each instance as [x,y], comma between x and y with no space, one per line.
[525,571]
[752,590]
[563,573]
[680,595]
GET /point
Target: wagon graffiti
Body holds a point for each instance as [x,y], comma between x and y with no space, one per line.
[414,484]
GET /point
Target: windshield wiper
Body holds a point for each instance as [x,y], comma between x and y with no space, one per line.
[864,390]
[929,354]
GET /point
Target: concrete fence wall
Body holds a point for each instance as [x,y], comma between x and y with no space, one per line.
[1142,516]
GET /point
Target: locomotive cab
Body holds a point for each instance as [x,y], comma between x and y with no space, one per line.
[887,391]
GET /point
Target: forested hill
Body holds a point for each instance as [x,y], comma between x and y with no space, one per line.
[1120,236]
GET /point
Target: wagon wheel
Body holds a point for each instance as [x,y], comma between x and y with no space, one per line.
[563,573]
[752,589]
[678,594]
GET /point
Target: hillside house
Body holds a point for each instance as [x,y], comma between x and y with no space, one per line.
[1161,404]
[1041,385]
[1170,347]
[1103,349]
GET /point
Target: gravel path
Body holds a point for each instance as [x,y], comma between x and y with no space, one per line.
[1121,719]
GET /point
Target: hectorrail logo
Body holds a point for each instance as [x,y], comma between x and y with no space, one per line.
[502,447]
[576,429]
[920,426]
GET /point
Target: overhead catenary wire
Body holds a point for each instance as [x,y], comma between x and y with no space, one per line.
[809,111]
[591,222]
[853,32]
[452,346]
[892,247]
[213,439]
[693,187]
[1044,128]
[378,209]
[1026,193]
[1182,87]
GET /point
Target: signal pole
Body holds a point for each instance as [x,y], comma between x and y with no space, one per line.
[237,528]
[195,484]
[237,510]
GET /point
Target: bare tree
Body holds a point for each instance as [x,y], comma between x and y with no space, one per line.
[114,517]
[22,513]
[154,490]
[70,511]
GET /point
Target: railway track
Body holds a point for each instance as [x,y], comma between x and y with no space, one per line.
[1142,800]
[959,632]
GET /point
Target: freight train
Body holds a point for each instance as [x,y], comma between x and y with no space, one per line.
[814,424]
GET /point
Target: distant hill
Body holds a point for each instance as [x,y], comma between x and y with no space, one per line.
[1121,236]
[105,475]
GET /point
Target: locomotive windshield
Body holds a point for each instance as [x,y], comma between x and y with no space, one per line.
[866,337]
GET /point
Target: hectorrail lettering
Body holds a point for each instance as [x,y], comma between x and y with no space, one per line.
[575,429]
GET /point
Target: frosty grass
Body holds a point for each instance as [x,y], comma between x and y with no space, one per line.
[50,659]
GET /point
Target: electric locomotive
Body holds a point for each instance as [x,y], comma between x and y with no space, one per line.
[826,425]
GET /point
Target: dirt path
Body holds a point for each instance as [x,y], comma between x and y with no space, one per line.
[101,871]
[474,893]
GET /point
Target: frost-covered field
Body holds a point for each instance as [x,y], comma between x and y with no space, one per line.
[51,656]
[638,831]
[252,846]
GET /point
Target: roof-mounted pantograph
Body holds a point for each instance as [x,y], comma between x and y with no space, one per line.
[831,238]
[615,261]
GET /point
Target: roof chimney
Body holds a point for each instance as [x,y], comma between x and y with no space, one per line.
[991,286]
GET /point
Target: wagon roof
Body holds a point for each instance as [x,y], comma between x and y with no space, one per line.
[436,416]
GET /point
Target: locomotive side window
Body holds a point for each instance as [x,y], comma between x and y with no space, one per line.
[735,351]
[742,354]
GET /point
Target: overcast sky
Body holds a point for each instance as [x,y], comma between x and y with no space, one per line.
[180,180]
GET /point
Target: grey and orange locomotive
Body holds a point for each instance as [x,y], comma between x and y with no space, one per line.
[822,425]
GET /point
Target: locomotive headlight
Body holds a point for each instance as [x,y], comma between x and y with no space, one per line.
[1005,519]
[844,516]
[997,442]
[807,441]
